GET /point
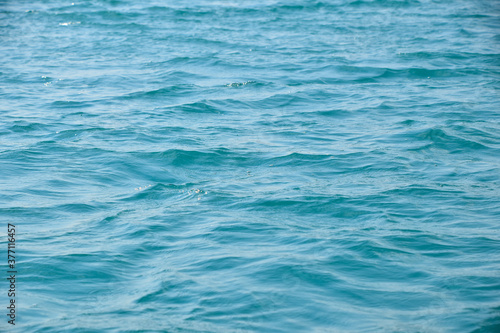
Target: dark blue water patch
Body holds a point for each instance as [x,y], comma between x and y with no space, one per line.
[175,91]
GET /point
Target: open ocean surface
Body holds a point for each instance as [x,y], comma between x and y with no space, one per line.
[251,166]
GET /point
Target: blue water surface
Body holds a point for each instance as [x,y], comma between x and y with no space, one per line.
[251,166]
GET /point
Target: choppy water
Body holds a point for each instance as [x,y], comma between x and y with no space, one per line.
[252,166]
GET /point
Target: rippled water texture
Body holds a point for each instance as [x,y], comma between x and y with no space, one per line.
[252,166]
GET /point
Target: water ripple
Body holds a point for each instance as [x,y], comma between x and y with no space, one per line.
[245,166]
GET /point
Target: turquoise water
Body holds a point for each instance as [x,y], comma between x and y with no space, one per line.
[251,166]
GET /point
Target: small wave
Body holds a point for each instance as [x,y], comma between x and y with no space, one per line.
[242,84]
[384,3]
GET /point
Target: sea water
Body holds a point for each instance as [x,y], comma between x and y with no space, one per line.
[251,166]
